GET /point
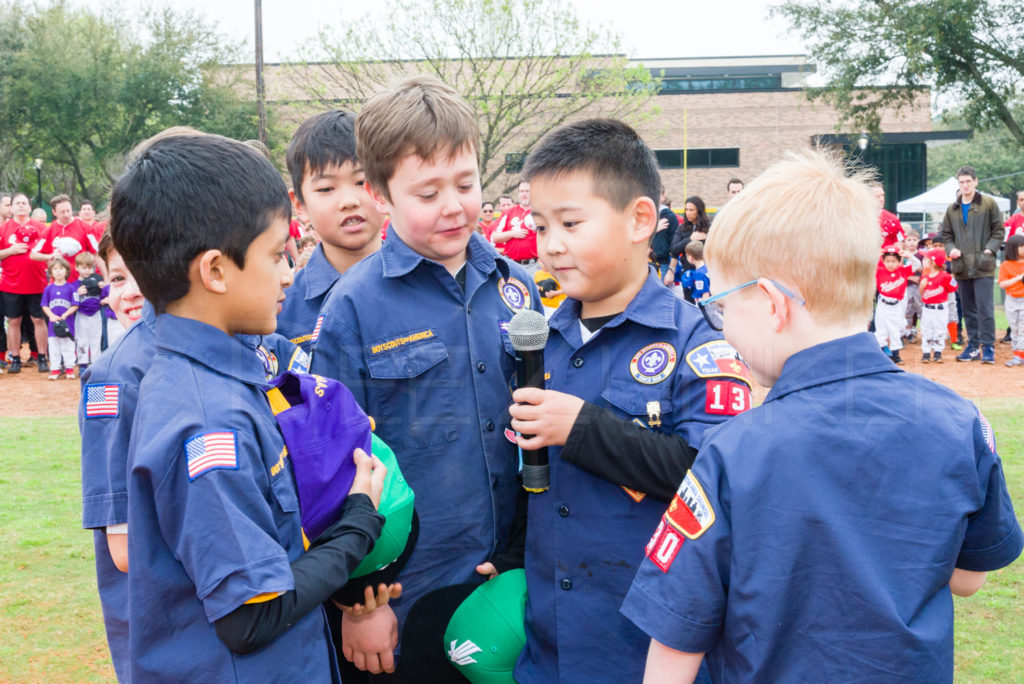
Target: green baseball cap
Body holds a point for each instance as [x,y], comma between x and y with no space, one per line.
[396,505]
[487,631]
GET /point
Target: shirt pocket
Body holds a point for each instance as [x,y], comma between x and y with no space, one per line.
[651,405]
[283,488]
[411,395]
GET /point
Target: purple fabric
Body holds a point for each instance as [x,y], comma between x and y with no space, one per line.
[107,310]
[59,298]
[88,304]
[321,430]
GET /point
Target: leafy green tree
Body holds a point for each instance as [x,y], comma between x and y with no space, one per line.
[80,89]
[993,153]
[972,55]
[526,66]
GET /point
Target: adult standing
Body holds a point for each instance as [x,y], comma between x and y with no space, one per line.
[1015,224]
[972,231]
[661,241]
[5,213]
[22,280]
[516,233]
[888,222]
[694,227]
[66,237]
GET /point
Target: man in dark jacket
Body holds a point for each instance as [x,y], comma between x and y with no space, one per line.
[972,231]
[668,224]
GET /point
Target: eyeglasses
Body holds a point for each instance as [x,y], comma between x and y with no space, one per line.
[712,310]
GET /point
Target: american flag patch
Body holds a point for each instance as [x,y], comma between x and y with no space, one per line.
[102,401]
[986,432]
[211,451]
[316,331]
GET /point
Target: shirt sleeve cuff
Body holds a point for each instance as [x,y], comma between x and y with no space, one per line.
[104,510]
[666,626]
[265,576]
[994,557]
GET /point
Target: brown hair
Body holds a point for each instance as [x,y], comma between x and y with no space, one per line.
[86,259]
[421,116]
[57,261]
[59,199]
[105,247]
[307,240]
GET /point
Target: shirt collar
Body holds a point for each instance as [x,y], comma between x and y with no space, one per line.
[320,275]
[234,357]
[149,316]
[398,258]
[653,306]
[832,361]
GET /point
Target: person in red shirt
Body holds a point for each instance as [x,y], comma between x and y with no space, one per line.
[67,236]
[22,280]
[487,221]
[1015,224]
[892,229]
[936,286]
[890,311]
[87,215]
[516,232]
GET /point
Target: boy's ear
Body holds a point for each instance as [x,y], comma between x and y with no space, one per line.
[297,205]
[380,203]
[211,266]
[644,214]
[781,312]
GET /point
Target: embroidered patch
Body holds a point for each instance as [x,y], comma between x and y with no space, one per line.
[400,341]
[634,494]
[102,400]
[718,359]
[514,294]
[316,331]
[211,451]
[690,511]
[653,363]
[510,435]
[986,432]
[724,398]
[664,546]
[269,361]
[299,362]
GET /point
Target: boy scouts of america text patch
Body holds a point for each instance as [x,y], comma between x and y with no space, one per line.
[718,359]
[102,400]
[514,294]
[689,515]
[653,363]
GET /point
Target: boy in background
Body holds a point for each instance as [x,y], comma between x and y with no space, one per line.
[937,294]
[328,190]
[625,356]
[416,332]
[88,319]
[58,304]
[696,279]
[891,279]
[914,308]
[221,587]
[817,537]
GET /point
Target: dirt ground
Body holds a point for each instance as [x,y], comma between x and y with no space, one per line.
[31,394]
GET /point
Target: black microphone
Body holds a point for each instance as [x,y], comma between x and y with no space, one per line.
[528,332]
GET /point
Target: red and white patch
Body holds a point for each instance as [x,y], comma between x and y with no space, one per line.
[316,331]
[510,435]
[690,511]
[986,432]
[724,398]
[664,546]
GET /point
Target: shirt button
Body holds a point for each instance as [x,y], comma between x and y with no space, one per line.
[494,483]
[567,584]
[563,511]
[481,366]
[489,426]
[578,362]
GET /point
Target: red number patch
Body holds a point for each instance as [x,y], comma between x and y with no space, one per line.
[724,398]
[664,546]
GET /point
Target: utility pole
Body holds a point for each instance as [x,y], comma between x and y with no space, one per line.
[261,95]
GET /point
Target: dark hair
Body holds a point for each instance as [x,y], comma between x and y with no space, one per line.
[1014,248]
[58,261]
[967,171]
[622,167]
[702,221]
[186,194]
[59,199]
[487,202]
[734,181]
[84,202]
[105,247]
[327,139]
[508,197]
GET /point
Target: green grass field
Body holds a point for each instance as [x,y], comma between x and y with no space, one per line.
[50,623]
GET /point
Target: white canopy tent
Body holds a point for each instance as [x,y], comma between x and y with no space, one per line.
[938,199]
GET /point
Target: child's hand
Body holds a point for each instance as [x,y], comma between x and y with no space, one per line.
[370,474]
[369,642]
[372,602]
[545,414]
[81,289]
[487,570]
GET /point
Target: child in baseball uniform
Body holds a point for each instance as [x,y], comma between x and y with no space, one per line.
[937,286]
[59,306]
[891,284]
[88,318]
[1011,279]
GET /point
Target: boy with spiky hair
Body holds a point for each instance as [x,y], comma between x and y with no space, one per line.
[328,190]
[417,333]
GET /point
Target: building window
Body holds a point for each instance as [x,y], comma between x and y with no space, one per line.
[705,158]
[514,162]
[698,85]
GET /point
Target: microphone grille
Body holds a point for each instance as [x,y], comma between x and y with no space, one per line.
[528,330]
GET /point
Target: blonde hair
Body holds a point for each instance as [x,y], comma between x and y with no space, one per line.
[422,116]
[86,259]
[810,221]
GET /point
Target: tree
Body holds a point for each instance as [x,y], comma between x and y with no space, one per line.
[80,89]
[526,66]
[972,54]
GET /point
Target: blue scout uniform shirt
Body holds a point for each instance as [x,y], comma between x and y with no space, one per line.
[304,298]
[213,516]
[109,395]
[819,534]
[432,365]
[585,536]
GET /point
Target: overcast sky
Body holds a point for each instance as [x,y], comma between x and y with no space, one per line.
[649,28]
